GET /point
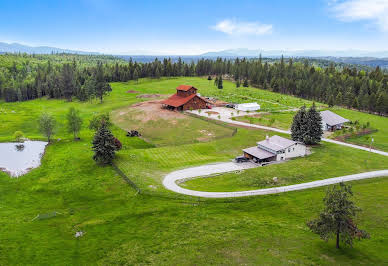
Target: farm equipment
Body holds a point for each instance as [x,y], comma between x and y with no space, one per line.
[133,133]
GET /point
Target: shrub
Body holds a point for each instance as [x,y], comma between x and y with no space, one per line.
[18,135]
[118,144]
[98,120]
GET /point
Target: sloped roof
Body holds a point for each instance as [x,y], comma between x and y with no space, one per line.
[184,87]
[331,118]
[177,101]
[276,143]
[259,153]
[249,105]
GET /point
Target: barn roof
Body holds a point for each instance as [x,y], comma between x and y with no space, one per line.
[184,87]
[177,101]
[331,118]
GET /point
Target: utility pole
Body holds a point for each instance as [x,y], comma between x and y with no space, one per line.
[370,146]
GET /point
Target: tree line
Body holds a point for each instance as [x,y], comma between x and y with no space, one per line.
[351,87]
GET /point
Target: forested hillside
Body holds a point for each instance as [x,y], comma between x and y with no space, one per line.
[24,77]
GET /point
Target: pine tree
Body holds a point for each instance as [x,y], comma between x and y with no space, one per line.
[330,102]
[103,145]
[337,218]
[238,83]
[102,87]
[219,85]
[67,81]
[356,104]
[216,81]
[314,131]
[380,104]
[299,125]
[339,99]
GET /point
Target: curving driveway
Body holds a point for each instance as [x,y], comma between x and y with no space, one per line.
[170,180]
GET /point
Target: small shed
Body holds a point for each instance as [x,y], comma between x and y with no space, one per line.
[247,107]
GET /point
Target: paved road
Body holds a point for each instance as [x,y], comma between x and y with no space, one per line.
[170,180]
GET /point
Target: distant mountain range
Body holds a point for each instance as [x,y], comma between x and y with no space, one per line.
[367,58]
[20,48]
[240,52]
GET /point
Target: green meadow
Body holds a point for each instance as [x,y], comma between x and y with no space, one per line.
[156,226]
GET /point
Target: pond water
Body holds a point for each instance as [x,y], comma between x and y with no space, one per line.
[17,159]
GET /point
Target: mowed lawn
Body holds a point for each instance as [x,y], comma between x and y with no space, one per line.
[327,161]
[158,226]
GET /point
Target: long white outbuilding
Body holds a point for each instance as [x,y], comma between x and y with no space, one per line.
[247,107]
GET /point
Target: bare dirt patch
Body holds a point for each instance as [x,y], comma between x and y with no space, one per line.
[149,96]
[205,135]
[152,110]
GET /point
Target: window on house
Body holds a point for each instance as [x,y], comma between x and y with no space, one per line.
[289,150]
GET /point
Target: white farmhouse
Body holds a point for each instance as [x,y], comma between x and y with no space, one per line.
[331,121]
[275,148]
[247,107]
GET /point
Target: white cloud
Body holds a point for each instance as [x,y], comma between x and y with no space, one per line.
[233,27]
[375,11]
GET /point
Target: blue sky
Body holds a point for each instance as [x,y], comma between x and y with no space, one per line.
[193,27]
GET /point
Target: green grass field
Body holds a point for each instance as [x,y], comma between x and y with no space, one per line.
[326,161]
[158,226]
[280,120]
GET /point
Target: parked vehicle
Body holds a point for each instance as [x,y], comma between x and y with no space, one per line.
[230,105]
[241,159]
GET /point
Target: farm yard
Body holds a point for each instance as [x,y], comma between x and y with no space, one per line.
[163,127]
[157,226]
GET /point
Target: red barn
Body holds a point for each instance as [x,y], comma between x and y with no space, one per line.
[185,98]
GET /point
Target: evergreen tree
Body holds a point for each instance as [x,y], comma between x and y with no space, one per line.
[337,218]
[339,99]
[220,85]
[330,102]
[380,106]
[102,87]
[356,104]
[314,126]
[299,125]
[74,121]
[135,75]
[103,145]
[67,81]
[216,81]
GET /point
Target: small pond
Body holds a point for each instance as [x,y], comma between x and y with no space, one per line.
[17,159]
